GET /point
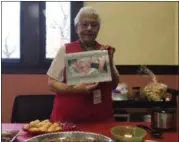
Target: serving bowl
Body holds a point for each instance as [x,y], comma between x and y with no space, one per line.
[128,133]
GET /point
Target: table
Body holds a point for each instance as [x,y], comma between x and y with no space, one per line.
[99,127]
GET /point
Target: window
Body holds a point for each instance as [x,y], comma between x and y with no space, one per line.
[11,30]
[57,26]
[33,33]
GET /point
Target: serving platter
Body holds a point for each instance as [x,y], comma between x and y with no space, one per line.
[77,135]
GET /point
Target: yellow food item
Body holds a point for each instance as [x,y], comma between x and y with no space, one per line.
[51,128]
[34,129]
[47,125]
[54,127]
[42,126]
[34,123]
[43,129]
[42,123]
[58,128]
[55,124]
[26,126]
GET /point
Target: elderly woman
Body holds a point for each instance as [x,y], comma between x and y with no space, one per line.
[84,101]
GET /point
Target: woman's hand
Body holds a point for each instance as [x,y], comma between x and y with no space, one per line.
[114,72]
[57,86]
[101,62]
[85,87]
[111,50]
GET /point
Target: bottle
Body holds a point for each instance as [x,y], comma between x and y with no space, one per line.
[136,93]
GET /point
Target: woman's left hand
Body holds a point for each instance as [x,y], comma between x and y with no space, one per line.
[111,50]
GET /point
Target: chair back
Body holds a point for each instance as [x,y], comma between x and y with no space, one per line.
[27,108]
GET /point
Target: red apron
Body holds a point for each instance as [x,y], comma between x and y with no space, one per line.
[79,107]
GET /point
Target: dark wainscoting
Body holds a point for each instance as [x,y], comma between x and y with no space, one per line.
[157,69]
[123,69]
[143,104]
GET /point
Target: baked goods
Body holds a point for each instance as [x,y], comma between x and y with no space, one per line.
[44,126]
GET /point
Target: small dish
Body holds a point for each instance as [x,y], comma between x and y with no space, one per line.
[9,135]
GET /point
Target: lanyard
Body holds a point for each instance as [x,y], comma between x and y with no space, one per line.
[84,47]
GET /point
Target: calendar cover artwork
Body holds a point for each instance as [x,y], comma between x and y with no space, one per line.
[88,66]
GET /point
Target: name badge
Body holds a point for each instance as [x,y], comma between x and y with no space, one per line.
[97,97]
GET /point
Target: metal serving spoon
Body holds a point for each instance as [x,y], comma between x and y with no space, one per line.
[154,133]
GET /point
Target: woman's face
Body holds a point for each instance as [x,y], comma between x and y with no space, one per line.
[87,28]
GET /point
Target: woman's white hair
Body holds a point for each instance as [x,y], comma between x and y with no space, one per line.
[86,10]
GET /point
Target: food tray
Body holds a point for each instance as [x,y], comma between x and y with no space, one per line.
[9,135]
[71,134]
[65,127]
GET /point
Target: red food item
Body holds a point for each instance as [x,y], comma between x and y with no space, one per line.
[68,126]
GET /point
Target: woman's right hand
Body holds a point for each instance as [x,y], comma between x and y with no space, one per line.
[57,86]
[85,87]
